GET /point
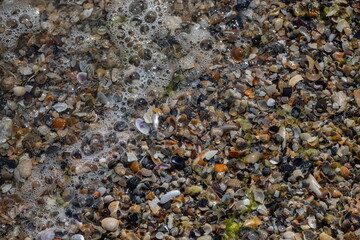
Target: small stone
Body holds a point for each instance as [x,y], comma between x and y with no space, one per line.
[287,91]
[295,79]
[237,54]
[218,132]
[58,123]
[295,112]
[60,107]
[357,97]
[278,23]
[221,168]
[259,195]
[270,102]
[135,209]
[19,91]
[335,193]
[25,70]
[135,166]
[154,207]
[44,130]
[77,237]
[205,237]
[6,125]
[110,224]
[169,195]
[345,172]
[254,222]
[193,190]
[324,236]
[159,235]
[234,183]
[24,168]
[253,157]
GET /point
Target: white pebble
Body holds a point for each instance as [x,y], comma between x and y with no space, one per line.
[159,235]
[270,102]
[110,224]
[168,196]
[19,91]
[60,107]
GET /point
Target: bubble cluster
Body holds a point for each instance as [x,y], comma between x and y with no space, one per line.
[17,18]
[155,49]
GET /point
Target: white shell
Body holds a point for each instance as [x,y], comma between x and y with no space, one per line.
[142,126]
[169,195]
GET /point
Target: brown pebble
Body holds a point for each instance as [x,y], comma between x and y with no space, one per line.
[165,109]
[345,172]
[335,193]
[58,123]
[357,97]
[134,166]
[150,196]
[237,54]
[324,236]
[135,209]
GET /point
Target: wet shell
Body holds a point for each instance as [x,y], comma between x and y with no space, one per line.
[142,126]
[47,235]
[113,208]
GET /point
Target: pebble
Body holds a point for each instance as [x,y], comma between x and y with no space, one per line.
[60,107]
[24,168]
[324,236]
[59,123]
[345,172]
[110,224]
[357,97]
[169,195]
[6,125]
[254,222]
[154,207]
[193,190]
[77,237]
[159,235]
[271,102]
[221,168]
[19,91]
[259,195]
[253,157]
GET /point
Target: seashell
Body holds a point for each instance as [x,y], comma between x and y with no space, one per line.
[253,157]
[142,126]
[47,235]
[19,91]
[234,183]
[342,24]
[278,23]
[169,195]
[311,62]
[292,65]
[315,187]
[110,224]
[209,154]
[295,79]
[113,208]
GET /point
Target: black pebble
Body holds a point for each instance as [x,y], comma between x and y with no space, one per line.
[357,34]
[266,171]
[241,4]
[178,162]
[295,112]
[132,183]
[287,91]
